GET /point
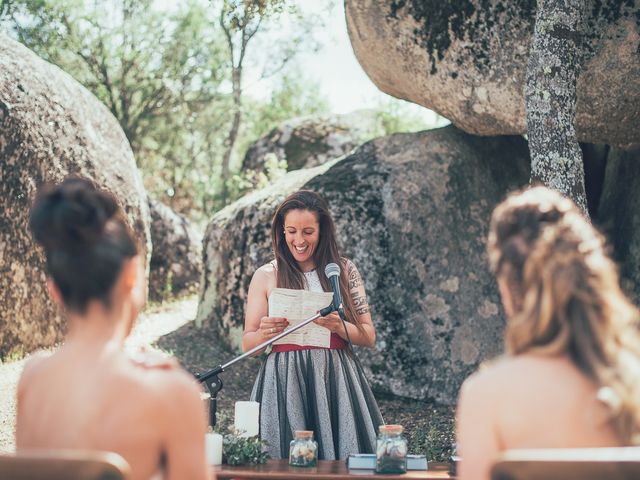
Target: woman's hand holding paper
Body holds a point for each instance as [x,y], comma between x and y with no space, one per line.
[333,322]
[272,326]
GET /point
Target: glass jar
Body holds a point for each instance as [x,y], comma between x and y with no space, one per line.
[391,450]
[303,450]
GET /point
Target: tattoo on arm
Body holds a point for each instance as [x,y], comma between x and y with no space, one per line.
[355,280]
[360,303]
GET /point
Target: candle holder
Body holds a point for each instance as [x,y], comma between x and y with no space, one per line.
[213,447]
[247,419]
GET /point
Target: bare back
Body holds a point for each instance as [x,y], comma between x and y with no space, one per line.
[150,416]
[528,401]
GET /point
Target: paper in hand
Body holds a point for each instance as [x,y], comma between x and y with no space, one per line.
[296,306]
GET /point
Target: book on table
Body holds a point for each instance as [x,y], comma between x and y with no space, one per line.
[367,461]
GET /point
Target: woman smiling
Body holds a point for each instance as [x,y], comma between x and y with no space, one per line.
[302,387]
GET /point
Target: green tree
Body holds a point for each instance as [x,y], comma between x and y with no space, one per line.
[141,62]
[242,21]
[173,77]
[4,8]
[161,73]
[294,96]
[394,116]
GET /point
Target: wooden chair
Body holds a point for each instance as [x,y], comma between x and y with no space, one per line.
[63,465]
[568,464]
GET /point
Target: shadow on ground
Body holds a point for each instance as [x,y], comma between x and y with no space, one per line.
[429,428]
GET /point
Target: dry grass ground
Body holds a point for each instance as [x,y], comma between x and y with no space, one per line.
[170,328]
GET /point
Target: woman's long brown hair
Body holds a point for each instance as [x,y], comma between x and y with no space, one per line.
[289,274]
[567,299]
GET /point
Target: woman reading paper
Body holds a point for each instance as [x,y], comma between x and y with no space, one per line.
[311,387]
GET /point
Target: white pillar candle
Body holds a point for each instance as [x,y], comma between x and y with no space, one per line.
[213,448]
[247,418]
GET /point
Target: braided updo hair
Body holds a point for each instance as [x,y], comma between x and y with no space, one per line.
[566,297]
[85,238]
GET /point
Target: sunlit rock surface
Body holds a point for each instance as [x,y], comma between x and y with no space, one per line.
[176,260]
[466,60]
[50,126]
[311,141]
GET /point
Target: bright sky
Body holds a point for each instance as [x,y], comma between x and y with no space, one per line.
[335,67]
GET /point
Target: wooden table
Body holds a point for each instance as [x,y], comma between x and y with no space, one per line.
[326,470]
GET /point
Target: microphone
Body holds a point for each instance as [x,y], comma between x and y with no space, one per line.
[332,271]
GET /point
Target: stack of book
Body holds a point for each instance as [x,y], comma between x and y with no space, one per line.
[367,461]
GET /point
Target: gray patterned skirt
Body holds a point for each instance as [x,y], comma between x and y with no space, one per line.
[323,390]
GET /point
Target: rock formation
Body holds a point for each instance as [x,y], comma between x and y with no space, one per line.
[466,60]
[176,261]
[50,126]
[311,141]
[412,211]
[618,217]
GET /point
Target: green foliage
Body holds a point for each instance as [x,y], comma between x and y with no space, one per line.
[244,450]
[248,180]
[295,96]
[5,6]
[238,450]
[241,15]
[15,354]
[167,291]
[395,116]
[165,72]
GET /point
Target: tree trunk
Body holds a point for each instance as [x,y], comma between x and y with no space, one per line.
[230,141]
[550,94]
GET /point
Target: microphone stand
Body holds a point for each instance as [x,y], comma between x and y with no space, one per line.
[214,383]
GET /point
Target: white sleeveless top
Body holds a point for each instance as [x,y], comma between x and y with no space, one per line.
[313,281]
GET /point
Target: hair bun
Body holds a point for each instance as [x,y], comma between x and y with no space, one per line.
[72,215]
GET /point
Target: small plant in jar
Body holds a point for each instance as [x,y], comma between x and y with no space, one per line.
[391,450]
[303,450]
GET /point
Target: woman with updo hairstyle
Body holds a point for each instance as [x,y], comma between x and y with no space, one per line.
[570,376]
[90,394]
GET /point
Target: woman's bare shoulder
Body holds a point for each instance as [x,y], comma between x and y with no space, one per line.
[266,274]
[157,380]
[268,268]
[490,374]
[33,366]
[530,363]
[517,373]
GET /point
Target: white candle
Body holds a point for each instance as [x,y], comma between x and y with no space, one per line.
[213,448]
[247,418]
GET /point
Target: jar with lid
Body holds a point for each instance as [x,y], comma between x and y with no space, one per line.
[391,450]
[303,450]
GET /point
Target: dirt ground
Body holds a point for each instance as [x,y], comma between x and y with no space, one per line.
[170,328]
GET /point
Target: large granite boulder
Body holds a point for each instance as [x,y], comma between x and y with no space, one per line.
[176,261]
[412,211]
[466,60]
[307,142]
[50,126]
[619,215]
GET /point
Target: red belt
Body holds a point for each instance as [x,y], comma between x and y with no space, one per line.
[337,342]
